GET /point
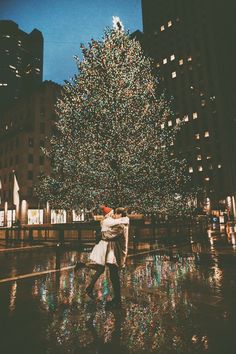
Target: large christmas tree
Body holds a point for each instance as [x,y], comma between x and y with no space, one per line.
[113,143]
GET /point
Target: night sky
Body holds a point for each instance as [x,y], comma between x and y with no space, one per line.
[67,23]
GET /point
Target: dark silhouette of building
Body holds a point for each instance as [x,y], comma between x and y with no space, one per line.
[21,62]
[194,51]
[24,127]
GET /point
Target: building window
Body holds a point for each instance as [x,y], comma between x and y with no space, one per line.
[203,103]
[170,123]
[197,136]
[30,142]
[30,158]
[162,126]
[181,62]
[158,65]
[178,120]
[172,57]
[219,166]
[190,58]
[206,134]
[199,157]
[162,28]
[173,74]
[30,175]
[195,115]
[186,119]
[165,61]
[169,23]
[207,179]
[200,168]
[190,170]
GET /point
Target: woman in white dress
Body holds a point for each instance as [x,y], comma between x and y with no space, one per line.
[111,250]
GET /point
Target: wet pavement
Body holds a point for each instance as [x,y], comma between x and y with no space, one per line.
[177,300]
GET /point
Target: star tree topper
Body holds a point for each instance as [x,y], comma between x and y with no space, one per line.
[117,24]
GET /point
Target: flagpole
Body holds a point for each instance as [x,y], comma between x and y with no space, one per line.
[16,197]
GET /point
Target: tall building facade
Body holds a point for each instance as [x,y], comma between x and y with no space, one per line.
[23,131]
[21,62]
[192,44]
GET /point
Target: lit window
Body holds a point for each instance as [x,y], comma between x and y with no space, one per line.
[199,157]
[173,74]
[207,179]
[162,126]
[18,75]
[206,134]
[178,120]
[208,157]
[164,61]
[12,67]
[169,23]
[181,62]
[190,58]
[219,166]
[203,103]
[172,57]
[190,170]
[212,98]
[197,136]
[158,65]
[37,69]
[186,119]
[200,168]
[170,123]
[162,28]
[195,115]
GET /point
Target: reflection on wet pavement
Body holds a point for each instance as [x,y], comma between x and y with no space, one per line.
[173,302]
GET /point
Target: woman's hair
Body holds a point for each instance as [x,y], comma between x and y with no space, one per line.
[121,211]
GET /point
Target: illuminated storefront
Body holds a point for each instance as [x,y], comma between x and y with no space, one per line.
[58,216]
[35,216]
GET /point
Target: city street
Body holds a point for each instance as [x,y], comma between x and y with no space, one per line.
[177,300]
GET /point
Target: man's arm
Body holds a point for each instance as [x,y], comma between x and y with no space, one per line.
[113,233]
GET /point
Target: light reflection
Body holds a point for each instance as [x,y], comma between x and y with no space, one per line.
[153,295]
[159,295]
[13,296]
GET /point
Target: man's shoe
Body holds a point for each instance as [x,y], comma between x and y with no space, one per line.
[78,266]
[89,292]
[113,305]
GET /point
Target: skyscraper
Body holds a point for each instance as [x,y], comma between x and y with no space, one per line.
[21,61]
[193,47]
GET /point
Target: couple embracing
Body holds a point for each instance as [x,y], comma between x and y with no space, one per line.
[111,251]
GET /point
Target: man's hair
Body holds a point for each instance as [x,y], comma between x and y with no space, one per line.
[121,211]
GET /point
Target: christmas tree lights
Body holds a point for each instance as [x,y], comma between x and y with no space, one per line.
[110,146]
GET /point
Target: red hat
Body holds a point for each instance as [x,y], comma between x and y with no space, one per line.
[105,209]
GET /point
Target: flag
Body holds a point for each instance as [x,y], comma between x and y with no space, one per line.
[0,190]
[16,197]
